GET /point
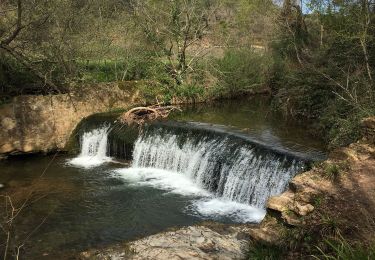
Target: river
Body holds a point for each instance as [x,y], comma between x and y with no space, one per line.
[217,162]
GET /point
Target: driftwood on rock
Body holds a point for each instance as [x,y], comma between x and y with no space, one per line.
[141,115]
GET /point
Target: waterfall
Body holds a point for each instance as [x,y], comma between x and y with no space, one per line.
[226,166]
[228,174]
[93,148]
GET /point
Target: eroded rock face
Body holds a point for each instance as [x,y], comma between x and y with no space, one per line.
[194,242]
[45,123]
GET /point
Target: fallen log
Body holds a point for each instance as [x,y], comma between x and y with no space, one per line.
[141,115]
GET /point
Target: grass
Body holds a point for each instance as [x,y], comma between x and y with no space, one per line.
[262,251]
[340,249]
[331,171]
[103,71]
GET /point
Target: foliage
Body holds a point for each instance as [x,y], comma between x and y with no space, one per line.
[9,84]
[240,71]
[323,66]
[46,38]
[174,28]
[319,65]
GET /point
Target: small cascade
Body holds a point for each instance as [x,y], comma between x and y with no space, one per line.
[93,148]
[227,166]
[228,174]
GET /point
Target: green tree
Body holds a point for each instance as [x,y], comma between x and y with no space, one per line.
[175,29]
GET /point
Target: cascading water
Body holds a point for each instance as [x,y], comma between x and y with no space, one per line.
[239,175]
[230,174]
[93,148]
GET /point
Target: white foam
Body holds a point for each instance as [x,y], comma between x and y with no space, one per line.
[234,172]
[161,179]
[93,149]
[88,161]
[239,212]
[178,183]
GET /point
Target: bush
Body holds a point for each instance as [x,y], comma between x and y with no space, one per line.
[240,71]
[304,93]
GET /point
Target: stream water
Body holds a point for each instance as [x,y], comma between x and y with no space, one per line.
[218,162]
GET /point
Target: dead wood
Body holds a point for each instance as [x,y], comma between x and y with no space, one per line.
[141,115]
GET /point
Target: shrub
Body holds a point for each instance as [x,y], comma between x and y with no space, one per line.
[240,71]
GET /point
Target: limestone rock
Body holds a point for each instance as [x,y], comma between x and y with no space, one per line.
[280,203]
[195,242]
[303,210]
[44,123]
[296,202]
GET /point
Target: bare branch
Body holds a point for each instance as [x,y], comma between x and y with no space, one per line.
[19,26]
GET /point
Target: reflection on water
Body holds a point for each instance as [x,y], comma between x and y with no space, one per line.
[255,117]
